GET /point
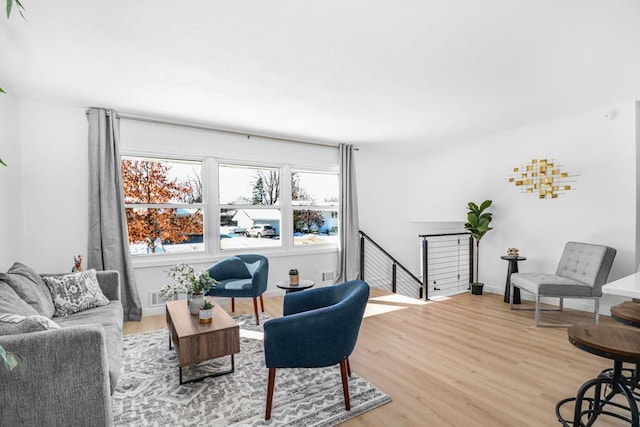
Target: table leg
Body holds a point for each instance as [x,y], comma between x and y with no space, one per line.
[597,403]
[512,268]
[216,374]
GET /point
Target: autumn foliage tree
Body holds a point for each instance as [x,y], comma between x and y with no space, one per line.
[147,182]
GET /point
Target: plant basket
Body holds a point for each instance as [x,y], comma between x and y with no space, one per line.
[476,288]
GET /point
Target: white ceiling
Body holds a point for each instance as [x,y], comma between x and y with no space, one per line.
[403,74]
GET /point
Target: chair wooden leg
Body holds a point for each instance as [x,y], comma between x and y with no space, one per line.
[270,384]
[255,309]
[345,384]
[261,303]
[233,305]
[348,368]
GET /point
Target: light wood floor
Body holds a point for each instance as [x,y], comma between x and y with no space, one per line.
[463,361]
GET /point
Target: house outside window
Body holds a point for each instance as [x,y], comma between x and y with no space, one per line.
[164,205]
[314,197]
[250,206]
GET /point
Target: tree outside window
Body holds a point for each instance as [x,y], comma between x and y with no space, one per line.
[314,197]
[249,199]
[163,204]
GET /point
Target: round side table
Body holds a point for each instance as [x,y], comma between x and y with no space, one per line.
[627,313]
[304,284]
[513,268]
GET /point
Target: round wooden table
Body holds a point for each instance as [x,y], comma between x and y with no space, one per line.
[304,284]
[627,313]
[621,344]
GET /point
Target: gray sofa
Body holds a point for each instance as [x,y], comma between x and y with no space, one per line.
[68,374]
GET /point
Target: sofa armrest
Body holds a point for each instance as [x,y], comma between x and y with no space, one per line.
[109,281]
[63,380]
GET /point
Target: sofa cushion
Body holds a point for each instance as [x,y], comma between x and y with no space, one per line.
[75,292]
[29,286]
[11,324]
[550,285]
[583,262]
[110,314]
[11,303]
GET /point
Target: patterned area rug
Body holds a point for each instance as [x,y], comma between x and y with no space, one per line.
[148,393]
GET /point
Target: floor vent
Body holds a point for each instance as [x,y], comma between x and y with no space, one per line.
[155,300]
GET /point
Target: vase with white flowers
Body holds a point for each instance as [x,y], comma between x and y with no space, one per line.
[187,281]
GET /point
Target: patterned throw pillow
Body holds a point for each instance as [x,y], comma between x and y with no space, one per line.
[75,292]
[11,324]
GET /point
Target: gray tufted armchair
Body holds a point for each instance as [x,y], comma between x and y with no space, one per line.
[582,271]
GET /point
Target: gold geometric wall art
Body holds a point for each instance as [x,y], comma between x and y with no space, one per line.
[542,177]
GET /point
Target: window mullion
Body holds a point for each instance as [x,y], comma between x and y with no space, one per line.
[287,211]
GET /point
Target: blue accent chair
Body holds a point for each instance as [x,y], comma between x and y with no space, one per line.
[319,328]
[241,276]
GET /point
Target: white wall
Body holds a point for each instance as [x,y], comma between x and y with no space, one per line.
[11,224]
[54,185]
[383,196]
[601,210]
[400,196]
[44,220]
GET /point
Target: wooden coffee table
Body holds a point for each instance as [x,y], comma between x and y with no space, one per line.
[196,342]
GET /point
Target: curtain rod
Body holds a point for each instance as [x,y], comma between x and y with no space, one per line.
[216,129]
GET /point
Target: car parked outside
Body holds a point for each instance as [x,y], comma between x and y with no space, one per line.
[239,230]
[261,230]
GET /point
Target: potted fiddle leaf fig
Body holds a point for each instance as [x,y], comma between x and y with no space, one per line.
[477,225]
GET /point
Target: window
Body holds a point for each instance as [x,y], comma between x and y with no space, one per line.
[164,205]
[314,197]
[250,206]
[255,206]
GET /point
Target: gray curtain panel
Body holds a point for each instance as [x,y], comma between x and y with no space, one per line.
[349,257]
[108,240]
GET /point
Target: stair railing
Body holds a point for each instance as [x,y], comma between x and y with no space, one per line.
[381,270]
[447,262]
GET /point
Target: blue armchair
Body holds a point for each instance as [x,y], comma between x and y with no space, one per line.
[319,328]
[241,276]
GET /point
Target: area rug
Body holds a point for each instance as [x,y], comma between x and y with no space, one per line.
[149,394]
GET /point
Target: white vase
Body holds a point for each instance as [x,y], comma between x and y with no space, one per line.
[195,302]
